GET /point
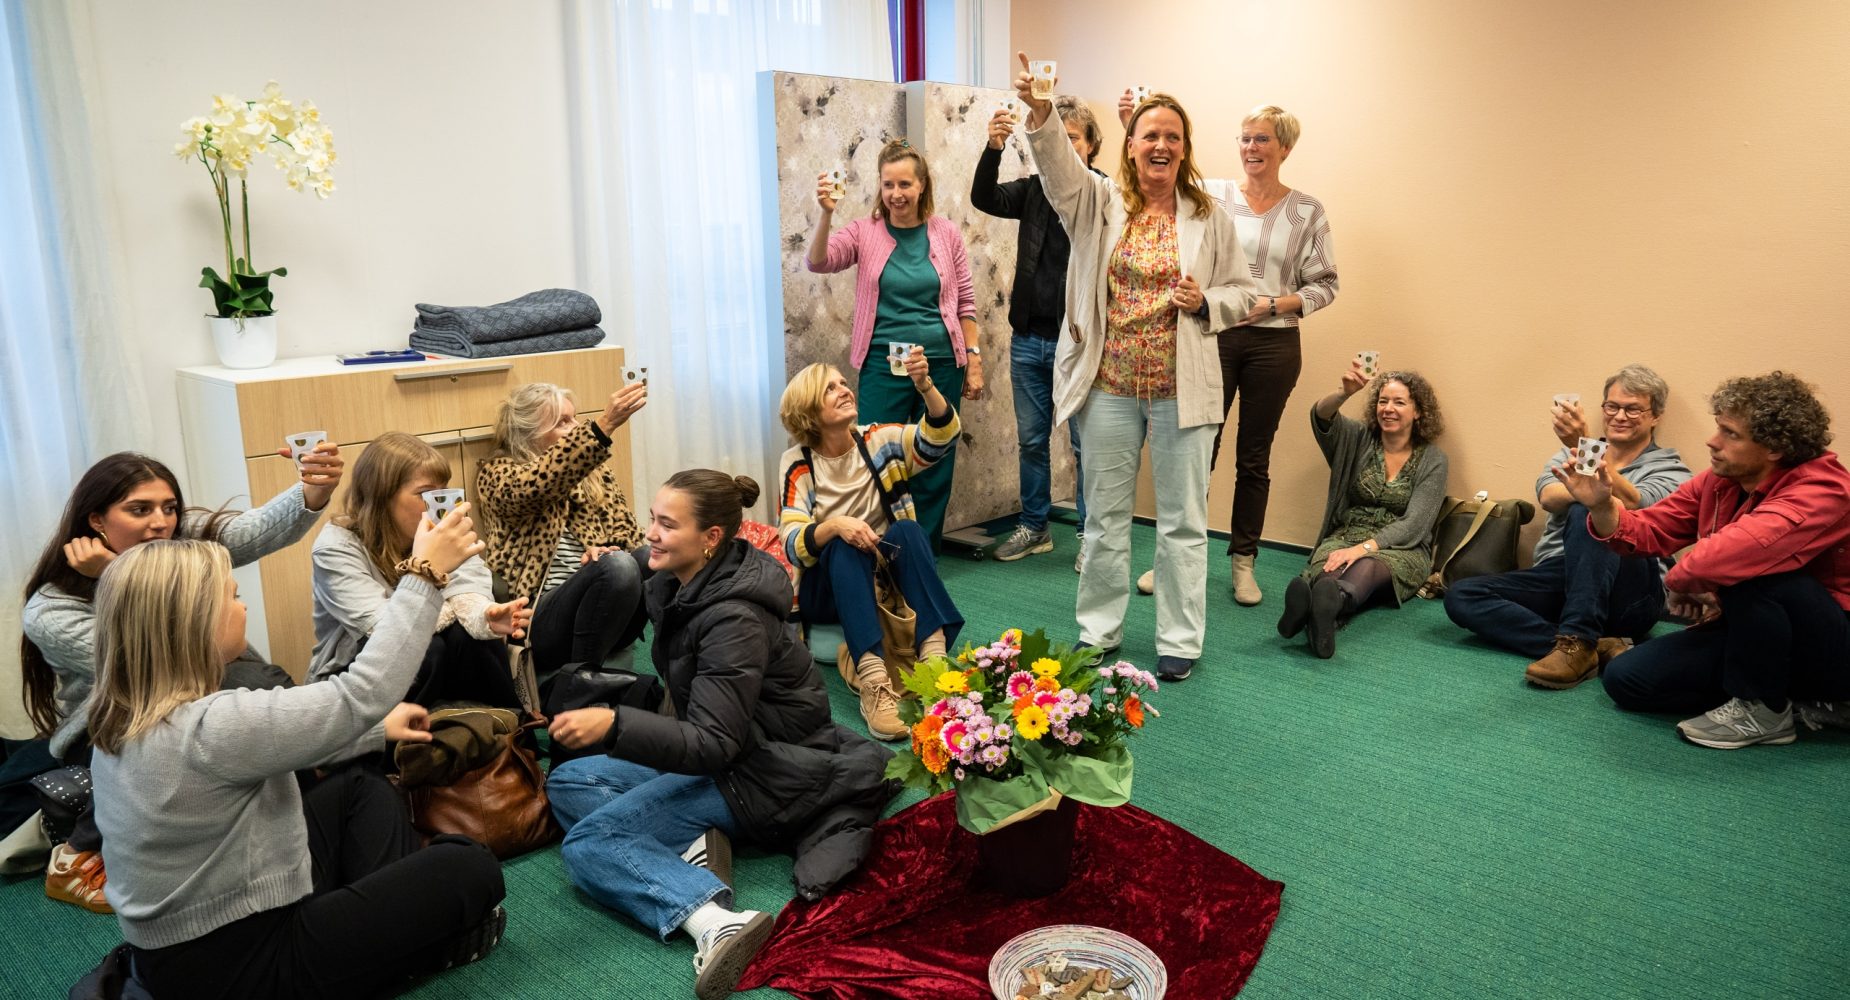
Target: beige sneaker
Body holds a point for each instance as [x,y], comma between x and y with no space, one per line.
[76,877]
[880,707]
[1245,585]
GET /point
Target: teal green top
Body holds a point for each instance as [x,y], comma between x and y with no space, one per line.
[908,307]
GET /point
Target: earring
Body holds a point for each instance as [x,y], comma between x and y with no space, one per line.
[706,553]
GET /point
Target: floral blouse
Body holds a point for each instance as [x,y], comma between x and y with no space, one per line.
[1140,317]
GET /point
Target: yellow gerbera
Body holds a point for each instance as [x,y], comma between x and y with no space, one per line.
[1032,722]
[953,682]
[1046,666]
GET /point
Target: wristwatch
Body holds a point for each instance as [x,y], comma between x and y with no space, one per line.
[974,351]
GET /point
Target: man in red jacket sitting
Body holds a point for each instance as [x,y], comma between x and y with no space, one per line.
[1767,580]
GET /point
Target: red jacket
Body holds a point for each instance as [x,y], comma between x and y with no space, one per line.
[1799,519]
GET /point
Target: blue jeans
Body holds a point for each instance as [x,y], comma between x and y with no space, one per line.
[840,588]
[1588,591]
[625,828]
[1031,371]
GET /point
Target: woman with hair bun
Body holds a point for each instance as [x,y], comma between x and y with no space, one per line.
[751,750]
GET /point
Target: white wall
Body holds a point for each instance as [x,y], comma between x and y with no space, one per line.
[450,123]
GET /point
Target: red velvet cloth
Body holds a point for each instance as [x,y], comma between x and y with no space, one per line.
[910,925]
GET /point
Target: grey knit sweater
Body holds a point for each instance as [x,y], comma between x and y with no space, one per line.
[202,818]
[350,592]
[61,624]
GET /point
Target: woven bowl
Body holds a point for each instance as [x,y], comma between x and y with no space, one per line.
[1085,946]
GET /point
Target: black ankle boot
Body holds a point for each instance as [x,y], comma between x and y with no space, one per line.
[1297,608]
[1326,607]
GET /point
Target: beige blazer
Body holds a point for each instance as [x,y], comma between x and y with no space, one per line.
[1093,213]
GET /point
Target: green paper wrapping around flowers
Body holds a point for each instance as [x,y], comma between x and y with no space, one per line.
[1104,780]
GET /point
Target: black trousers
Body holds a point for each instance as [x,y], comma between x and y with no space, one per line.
[1778,637]
[1260,365]
[381,912]
[594,613]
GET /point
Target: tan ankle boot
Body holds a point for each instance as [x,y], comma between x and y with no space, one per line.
[1245,586]
[1572,661]
[1609,648]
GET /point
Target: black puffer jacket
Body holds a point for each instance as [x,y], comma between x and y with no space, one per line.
[751,711]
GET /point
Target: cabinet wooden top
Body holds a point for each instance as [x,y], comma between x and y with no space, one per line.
[318,365]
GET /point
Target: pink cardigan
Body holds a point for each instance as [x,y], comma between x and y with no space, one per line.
[867,242]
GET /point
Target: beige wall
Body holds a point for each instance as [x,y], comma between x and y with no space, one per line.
[454,184]
[1524,196]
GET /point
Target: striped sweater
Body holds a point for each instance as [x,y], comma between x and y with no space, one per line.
[894,453]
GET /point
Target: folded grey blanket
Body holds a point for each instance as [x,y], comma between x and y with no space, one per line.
[549,310]
[445,342]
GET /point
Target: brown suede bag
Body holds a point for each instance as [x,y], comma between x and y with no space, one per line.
[502,803]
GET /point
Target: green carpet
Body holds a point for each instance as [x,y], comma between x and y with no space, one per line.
[1442,829]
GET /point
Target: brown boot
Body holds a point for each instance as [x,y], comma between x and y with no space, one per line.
[76,877]
[1609,648]
[1572,661]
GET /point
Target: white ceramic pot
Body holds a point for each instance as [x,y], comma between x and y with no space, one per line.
[249,342]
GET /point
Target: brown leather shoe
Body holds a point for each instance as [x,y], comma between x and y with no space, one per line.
[1609,648]
[1572,661]
[76,877]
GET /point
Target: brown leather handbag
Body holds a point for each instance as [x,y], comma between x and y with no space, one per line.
[502,803]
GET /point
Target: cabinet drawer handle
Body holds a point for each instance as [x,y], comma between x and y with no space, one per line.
[475,438]
[452,373]
[478,436]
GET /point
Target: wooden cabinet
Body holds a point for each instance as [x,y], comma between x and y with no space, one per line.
[234,421]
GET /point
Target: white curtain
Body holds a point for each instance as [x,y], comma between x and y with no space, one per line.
[668,163]
[70,391]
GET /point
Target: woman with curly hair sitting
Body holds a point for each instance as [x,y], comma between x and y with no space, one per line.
[1387,483]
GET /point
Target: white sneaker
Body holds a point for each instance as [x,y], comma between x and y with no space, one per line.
[1146,584]
[723,952]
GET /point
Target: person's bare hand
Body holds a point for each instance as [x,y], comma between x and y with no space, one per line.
[855,532]
[407,723]
[88,556]
[510,620]
[1353,380]
[581,727]
[320,473]
[1001,126]
[447,545]
[825,191]
[1588,491]
[1569,425]
[623,405]
[1038,107]
[1187,295]
[1127,103]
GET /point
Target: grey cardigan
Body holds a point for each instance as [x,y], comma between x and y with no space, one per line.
[62,625]
[202,817]
[1346,446]
[350,593]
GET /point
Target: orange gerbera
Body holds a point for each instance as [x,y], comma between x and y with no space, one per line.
[926,744]
[1047,684]
[1133,711]
[1022,702]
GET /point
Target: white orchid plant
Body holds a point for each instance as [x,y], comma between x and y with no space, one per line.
[235,135]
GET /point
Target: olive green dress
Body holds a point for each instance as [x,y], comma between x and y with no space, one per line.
[1373,504]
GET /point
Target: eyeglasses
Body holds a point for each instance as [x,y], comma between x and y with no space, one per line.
[1255,140]
[1614,409]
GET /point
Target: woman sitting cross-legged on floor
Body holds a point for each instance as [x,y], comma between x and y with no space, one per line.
[559,528]
[357,560]
[751,750]
[227,879]
[1387,483]
[847,501]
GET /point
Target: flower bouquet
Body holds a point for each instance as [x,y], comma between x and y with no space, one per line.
[1018,725]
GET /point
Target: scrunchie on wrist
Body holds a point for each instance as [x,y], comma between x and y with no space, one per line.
[422,567]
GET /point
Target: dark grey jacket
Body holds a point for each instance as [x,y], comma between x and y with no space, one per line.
[751,712]
[1037,300]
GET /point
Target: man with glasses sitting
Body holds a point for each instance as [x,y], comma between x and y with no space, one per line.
[1580,603]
